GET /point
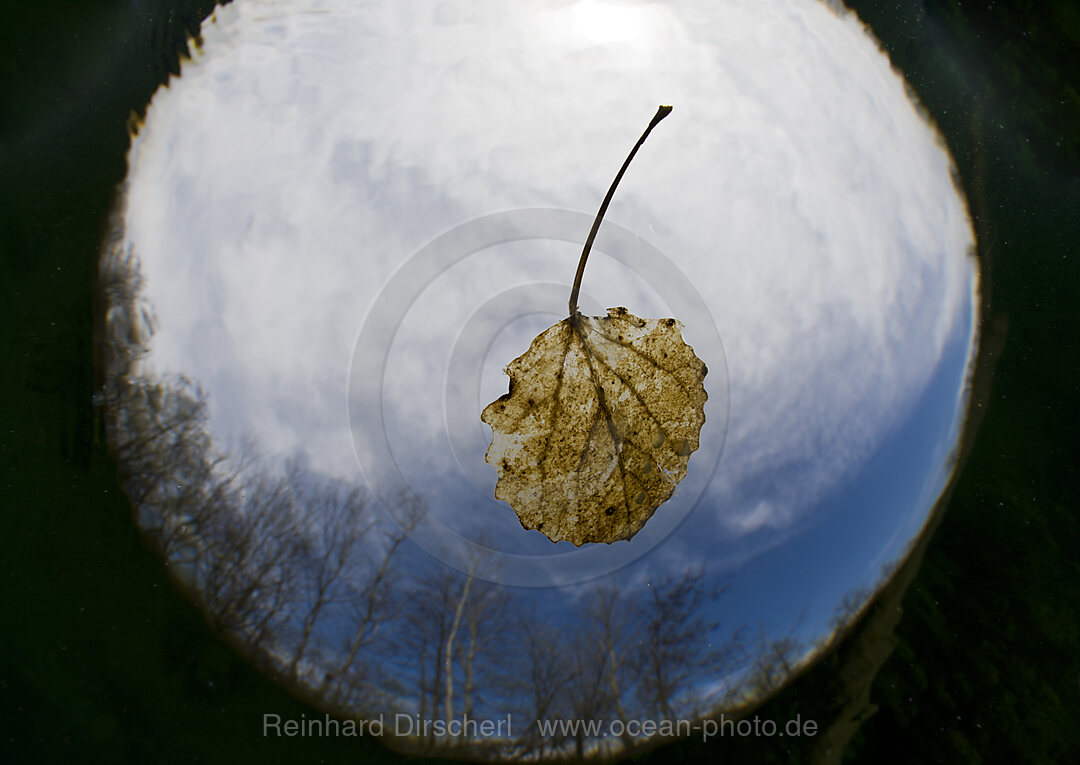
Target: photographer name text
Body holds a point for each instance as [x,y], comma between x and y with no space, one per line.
[399,725]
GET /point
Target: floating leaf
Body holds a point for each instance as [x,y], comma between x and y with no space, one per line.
[602,416]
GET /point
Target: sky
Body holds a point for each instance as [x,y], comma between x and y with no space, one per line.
[351,216]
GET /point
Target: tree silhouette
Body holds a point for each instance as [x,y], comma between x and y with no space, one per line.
[454,625]
[368,598]
[772,661]
[340,522]
[300,571]
[542,679]
[677,643]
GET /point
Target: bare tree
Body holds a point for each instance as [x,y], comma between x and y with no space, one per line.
[229,537]
[329,556]
[602,648]
[677,642]
[489,622]
[480,610]
[460,599]
[424,628]
[368,602]
[455,625]
[845,613]
[229,550]
[169,468]
[246,558]
[543,677]
[772,661]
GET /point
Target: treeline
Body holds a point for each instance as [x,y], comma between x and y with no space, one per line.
[318,588]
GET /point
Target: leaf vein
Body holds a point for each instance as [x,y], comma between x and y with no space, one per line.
[656,420]
[615,440]
[631,347]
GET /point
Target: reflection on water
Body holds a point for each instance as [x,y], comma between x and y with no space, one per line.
[330,234]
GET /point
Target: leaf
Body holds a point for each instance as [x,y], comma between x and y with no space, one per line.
[602,416]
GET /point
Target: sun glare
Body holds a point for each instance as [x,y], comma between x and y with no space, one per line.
[602,22]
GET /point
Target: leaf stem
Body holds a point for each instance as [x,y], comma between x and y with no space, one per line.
[662,112]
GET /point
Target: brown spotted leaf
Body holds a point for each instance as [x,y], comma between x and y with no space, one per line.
[602,416]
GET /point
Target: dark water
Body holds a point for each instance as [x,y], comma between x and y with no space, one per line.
[105,661]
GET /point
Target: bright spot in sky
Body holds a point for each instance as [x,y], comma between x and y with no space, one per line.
[604,22]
